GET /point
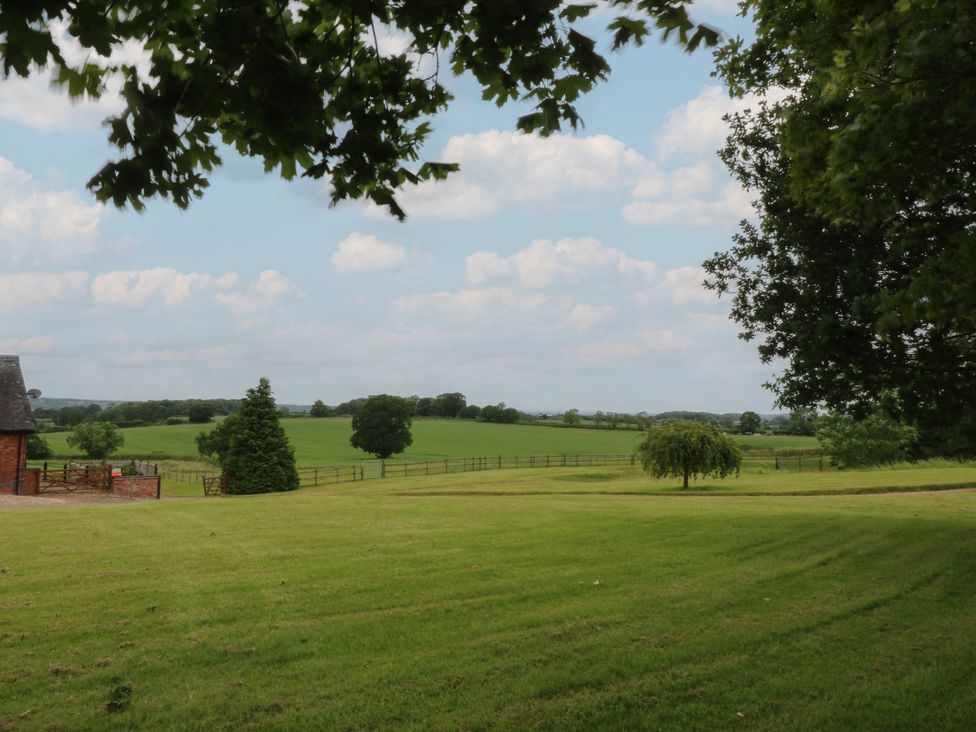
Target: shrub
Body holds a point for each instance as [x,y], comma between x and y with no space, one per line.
[875,440]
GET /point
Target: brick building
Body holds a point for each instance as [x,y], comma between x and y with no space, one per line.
[16,422]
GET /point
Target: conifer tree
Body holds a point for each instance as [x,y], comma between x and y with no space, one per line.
[260,459]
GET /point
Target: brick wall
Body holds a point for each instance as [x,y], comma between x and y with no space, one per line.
[13,454]
[30,482]
[135,486]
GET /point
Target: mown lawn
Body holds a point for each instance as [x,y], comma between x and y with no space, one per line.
[384,611]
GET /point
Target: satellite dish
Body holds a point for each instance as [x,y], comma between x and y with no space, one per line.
[33,393]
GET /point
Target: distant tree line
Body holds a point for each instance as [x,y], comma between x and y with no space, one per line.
[137,414]
[453,405]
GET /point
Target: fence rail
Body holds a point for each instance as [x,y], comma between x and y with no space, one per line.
[376,469]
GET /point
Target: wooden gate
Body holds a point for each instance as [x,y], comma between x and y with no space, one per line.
[76,479]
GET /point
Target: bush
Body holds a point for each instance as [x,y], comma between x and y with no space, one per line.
[175,420]
[875,440]
[131,469]
[37,448]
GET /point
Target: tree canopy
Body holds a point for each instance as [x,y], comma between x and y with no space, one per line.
[685,449]
[308,87]
[859,271]
[382,426]
[321,409]
[97,440]
[750,422]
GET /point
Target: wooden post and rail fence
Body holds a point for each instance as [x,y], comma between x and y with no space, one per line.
[214,483]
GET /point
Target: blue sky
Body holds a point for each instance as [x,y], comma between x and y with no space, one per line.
[549,274]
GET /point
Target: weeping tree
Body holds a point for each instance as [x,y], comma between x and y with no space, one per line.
[259,458]
[685,449]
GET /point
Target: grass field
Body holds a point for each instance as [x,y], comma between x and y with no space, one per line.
[323,610]
[326,441]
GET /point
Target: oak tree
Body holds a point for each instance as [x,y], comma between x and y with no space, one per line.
[382,426]
[307,87]
[859,271]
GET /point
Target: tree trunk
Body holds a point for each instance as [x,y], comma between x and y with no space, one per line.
[685,486]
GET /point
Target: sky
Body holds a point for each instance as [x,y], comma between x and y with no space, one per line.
[550,273]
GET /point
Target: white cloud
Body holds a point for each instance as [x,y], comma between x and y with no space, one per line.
[365,253]
[495,304]
[25,291]
[640,346]
[725,206]
[587,317]
[513,169]
[185,356]
[697,128]
[44,226]
[270,288]
[135,287]
[41,104]
[682,286]
[33,346]
[569,261]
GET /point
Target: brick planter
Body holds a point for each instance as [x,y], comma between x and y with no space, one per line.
[135,486]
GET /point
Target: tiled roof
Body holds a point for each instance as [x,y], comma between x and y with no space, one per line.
[15,410]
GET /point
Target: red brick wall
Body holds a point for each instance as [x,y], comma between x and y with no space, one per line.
[30,484]
[136,486]
[13,456]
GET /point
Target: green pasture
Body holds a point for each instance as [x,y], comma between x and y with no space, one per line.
[315,610]
[757,476]
[631,481]
[326,441]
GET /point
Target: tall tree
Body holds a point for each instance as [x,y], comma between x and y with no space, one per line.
[259,458]
[307,87]
[859,272]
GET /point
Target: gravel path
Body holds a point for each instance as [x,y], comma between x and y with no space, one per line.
[50,501]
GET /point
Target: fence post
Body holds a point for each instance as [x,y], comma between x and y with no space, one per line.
[821,462]
[499,462]
[776,458]
[799,464]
